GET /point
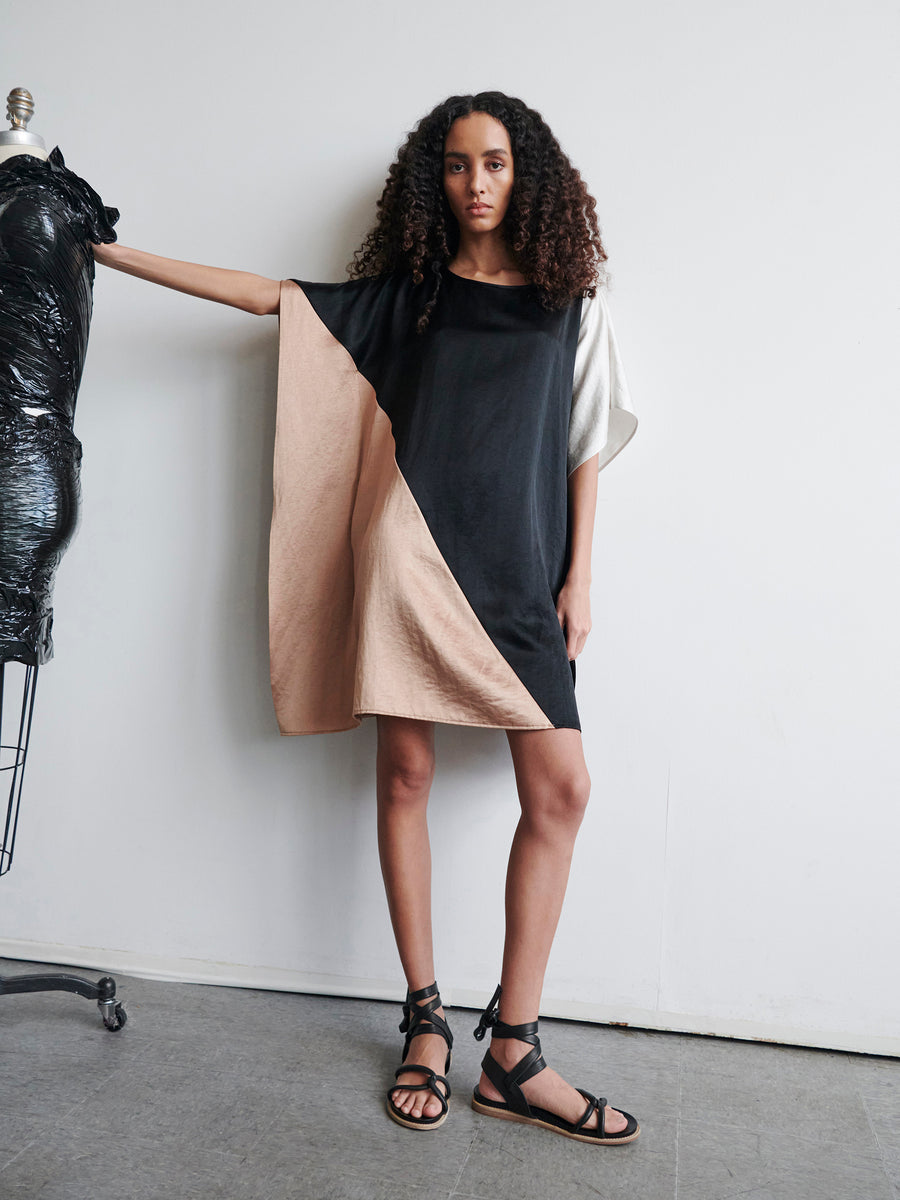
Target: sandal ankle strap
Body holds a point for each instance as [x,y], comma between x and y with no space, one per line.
[413,998]
[508,1083]
[490,1019]
[424,993]
[416,1015]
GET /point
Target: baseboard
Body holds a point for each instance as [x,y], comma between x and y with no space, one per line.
[194,970]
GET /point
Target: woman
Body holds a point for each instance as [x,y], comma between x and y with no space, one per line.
[443,415]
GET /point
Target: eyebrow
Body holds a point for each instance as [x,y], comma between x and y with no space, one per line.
[486,154]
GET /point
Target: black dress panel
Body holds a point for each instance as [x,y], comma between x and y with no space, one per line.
[479,407]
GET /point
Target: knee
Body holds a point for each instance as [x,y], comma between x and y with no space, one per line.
[573,795]
[561,802]
[405,775]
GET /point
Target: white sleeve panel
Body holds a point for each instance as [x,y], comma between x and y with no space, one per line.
[602,419]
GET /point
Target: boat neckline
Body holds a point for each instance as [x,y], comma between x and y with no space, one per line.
[486,282]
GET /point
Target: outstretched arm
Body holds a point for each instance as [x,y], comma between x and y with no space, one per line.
[240,289]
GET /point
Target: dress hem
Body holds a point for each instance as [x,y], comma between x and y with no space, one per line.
[416,717]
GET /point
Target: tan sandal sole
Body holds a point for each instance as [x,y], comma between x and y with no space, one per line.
[505,1115]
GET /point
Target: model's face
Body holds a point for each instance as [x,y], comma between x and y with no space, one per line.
[478,172]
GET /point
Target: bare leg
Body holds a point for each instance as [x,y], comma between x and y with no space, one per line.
[553,785]
[404,771]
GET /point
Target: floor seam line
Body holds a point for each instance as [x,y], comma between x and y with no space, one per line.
[459,1174]
[19,1153]
[876,1139]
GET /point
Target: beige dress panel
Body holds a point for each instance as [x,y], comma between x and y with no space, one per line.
[365,616]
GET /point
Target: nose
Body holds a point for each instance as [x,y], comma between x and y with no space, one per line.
[476,185]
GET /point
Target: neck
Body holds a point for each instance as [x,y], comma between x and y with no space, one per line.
[10,151]
[487,254]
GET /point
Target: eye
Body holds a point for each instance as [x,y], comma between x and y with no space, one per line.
[498,164]
[454,168]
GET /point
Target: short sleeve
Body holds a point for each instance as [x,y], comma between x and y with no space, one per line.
[602,420]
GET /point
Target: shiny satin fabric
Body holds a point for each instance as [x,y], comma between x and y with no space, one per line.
[48,215]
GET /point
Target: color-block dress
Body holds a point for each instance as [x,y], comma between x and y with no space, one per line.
[420,525]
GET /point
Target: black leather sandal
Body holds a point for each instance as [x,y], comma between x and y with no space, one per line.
[514,1106]
[415,1016]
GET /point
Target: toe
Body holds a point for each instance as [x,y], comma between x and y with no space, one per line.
[613,1121]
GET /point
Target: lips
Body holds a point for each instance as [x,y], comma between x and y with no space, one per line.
[477,209]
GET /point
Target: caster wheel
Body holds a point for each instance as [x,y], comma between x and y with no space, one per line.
[117,1020]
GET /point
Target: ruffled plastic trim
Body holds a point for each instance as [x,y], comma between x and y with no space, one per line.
[92,220]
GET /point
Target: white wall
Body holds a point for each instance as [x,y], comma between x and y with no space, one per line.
[737,871]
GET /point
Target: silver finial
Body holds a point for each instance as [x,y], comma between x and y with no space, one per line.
[19,108]
[19,111]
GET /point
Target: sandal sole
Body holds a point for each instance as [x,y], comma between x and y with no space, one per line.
[505,1114]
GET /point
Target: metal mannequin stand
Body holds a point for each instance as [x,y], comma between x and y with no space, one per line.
[15,729]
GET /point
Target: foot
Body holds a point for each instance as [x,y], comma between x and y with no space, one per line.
[547,1089]
[430,1050]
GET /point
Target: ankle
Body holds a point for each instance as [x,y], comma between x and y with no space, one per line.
[506,1052]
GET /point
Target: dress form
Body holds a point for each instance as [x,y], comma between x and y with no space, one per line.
[46,272]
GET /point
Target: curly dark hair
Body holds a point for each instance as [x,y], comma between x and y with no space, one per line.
[550,225]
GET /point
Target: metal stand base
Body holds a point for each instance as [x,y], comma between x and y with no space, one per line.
[104,992]
[15,730]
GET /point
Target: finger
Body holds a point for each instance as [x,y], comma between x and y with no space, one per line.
[572,640]
[576,642]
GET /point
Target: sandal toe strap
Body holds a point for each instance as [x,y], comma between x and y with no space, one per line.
[430,1084]
[593,1104]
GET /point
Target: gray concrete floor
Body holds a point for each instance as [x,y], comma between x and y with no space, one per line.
[213,1093]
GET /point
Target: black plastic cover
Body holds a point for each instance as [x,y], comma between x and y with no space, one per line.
[48,215]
